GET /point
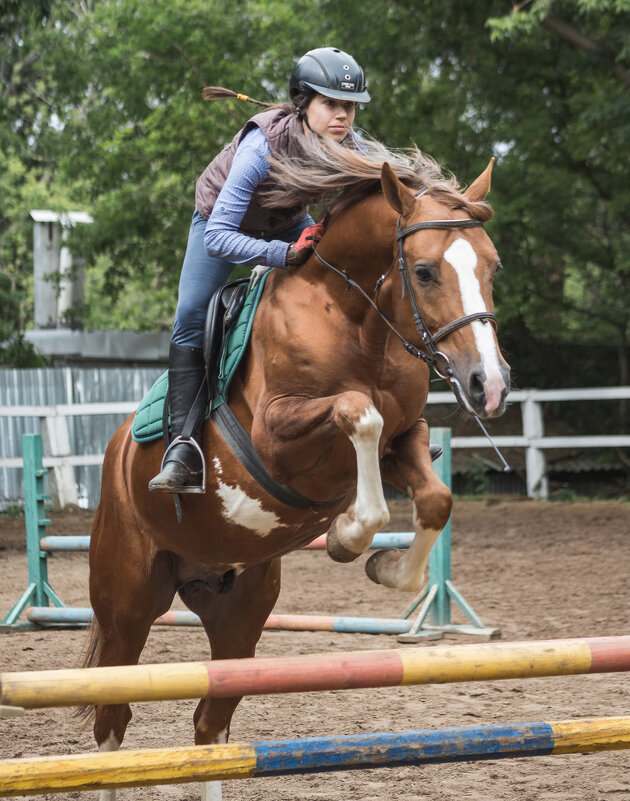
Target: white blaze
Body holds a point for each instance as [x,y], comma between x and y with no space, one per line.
[244,511]
[462,257]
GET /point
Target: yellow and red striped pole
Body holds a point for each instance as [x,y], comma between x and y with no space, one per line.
[332,671]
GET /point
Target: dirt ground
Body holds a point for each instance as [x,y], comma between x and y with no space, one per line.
[536,570]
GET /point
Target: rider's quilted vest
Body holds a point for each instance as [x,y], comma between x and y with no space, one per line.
[282,130]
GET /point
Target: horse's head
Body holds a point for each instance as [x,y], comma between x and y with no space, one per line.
[447,265]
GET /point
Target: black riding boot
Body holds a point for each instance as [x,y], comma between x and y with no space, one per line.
[183,463]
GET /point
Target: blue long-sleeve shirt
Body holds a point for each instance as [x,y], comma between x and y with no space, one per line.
[222,237]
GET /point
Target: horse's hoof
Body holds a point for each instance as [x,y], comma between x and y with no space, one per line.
[337,551]
[382,563]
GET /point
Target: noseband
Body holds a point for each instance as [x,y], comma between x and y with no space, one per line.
[433,356]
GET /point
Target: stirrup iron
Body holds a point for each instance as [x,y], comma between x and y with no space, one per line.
[199,489]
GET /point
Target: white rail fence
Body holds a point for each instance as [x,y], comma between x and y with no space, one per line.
[60,461]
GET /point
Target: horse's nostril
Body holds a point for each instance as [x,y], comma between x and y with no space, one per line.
[476,386]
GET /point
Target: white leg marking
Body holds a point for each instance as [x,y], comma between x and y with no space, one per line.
[462,257]
[239,508]
[369,513]
[411,568]
[213,791]
[370,507]
[110,744]
[406,572]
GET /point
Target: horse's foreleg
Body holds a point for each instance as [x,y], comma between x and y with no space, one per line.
[297,435]
[408,467]
[351,533]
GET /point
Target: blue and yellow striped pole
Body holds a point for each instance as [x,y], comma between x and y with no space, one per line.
[309,755]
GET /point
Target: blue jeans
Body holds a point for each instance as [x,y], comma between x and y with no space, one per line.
[200,278]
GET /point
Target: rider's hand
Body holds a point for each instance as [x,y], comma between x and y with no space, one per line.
[310,237]
[299,251]
[295,258]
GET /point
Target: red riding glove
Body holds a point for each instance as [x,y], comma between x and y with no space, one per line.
[299,251]
[309,237]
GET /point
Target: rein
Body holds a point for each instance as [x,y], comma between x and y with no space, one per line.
[429,340]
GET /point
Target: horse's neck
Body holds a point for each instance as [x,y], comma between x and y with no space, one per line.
[360,242]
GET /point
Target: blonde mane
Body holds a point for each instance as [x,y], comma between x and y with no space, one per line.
[326,172]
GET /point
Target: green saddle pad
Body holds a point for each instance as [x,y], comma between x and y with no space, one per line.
[148,420]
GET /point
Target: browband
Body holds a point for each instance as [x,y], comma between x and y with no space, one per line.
[403,232]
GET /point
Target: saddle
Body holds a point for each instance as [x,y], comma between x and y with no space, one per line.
[229,321]
[224,307]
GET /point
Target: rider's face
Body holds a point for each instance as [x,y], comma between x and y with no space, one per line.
[331,118]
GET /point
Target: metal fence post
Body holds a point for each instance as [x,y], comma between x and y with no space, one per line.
[535,463]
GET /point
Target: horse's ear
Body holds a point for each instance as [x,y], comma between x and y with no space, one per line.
[481,186]
[398,196]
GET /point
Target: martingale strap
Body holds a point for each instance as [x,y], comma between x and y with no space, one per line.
[239,442]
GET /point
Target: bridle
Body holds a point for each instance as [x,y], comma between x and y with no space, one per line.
[433,357]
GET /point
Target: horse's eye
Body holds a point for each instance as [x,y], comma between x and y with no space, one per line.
[424,274]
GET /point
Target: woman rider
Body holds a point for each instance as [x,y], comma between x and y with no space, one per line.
[231,226]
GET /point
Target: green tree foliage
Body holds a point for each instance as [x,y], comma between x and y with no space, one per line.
[104,113]
[24,170]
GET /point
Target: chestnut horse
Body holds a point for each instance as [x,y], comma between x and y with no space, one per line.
[333,402]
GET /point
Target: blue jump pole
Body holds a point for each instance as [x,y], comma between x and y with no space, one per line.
[138,768]
[82,616]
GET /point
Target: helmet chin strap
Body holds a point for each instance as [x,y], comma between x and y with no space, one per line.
[304,117]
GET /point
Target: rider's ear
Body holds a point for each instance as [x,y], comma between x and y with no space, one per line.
[481,186]
[398,196]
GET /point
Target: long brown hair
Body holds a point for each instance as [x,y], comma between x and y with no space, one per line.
[325,171]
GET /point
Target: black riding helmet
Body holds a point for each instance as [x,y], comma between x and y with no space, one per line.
[332,73]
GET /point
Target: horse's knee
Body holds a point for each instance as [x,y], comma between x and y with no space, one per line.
[432,506]
[212,720]
[355,414]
